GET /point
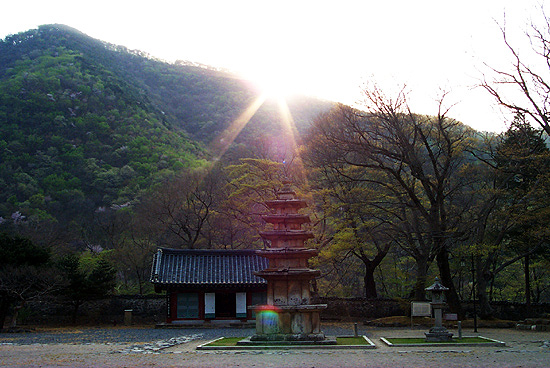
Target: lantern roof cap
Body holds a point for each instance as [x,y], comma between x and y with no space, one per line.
[437,286]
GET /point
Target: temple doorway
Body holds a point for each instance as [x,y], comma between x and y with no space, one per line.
[226,305]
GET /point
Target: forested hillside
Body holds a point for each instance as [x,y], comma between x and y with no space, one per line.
[86,125]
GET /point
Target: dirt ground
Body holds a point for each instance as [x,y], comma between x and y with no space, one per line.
[523,349]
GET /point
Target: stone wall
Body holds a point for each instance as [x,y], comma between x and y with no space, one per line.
[152,309]
[149,309]
[360,309]
[513,311]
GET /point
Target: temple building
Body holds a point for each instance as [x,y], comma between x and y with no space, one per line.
[209,286]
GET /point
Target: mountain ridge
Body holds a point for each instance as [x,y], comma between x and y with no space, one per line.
[85,124]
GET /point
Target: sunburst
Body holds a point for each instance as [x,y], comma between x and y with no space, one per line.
[220,145]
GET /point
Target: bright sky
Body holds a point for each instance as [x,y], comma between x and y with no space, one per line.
[325,48]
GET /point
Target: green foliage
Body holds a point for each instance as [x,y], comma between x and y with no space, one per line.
[17,251]
[89,276]
[25,273]
[76,134]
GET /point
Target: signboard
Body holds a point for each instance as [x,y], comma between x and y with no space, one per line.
[421,309]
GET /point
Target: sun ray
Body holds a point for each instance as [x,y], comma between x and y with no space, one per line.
[290,130]
[220,145]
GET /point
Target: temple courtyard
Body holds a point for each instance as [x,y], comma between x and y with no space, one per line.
[148,347]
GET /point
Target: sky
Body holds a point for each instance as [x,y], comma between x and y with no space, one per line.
[328,49]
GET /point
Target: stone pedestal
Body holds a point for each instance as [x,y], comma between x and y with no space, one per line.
[289,323]
[438,334]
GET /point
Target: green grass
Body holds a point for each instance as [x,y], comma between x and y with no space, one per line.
[226,341]
[232,341]
[421,340]
[351,341]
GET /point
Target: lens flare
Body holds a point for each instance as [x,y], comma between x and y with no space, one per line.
[269,317]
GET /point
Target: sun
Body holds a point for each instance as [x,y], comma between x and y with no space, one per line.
[273,81]
[274,86]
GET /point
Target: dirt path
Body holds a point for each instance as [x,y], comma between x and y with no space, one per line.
[523,349]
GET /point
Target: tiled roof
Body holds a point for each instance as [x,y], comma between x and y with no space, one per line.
[207,267]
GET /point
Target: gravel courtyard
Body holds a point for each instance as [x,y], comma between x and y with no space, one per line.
[149,347]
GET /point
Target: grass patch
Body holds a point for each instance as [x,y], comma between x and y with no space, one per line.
[232,341]
[351,341]
[226,341]
[421,340]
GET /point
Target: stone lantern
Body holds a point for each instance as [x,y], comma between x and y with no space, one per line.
[438,332]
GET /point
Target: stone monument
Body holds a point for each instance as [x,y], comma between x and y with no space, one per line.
[288,315]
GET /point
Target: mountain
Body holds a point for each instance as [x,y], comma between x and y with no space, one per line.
[85,124]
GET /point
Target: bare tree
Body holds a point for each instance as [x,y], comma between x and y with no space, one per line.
[27,283]
[417,160]
[182,205]
[524,87]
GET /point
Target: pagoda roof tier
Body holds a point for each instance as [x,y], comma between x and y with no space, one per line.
[286,234]
[288,273]
[278,203]
[288,218]
[286,192]
[289,253]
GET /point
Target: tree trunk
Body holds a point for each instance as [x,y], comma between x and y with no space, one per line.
[370,284]
[4,306]
[421,276]
[485,309]
[527,282]
[76,305]
[370,267]
[140,282]
[447,280]
[16,310]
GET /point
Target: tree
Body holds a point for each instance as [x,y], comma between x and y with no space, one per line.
[523,160]
[182,205]
[524,87]
[508,191]
[355,230]
[89,276]
[138,240]
[24,274]
[417,160]
[251,183]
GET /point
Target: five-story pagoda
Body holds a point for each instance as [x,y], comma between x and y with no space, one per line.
[288,315]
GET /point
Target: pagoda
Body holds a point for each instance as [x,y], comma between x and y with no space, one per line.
[289,314]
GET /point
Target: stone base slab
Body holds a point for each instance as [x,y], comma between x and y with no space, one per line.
[283,339]
[438,336]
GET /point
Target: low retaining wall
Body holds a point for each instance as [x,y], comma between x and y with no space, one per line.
[513,311]
[151,309]
[359,309]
